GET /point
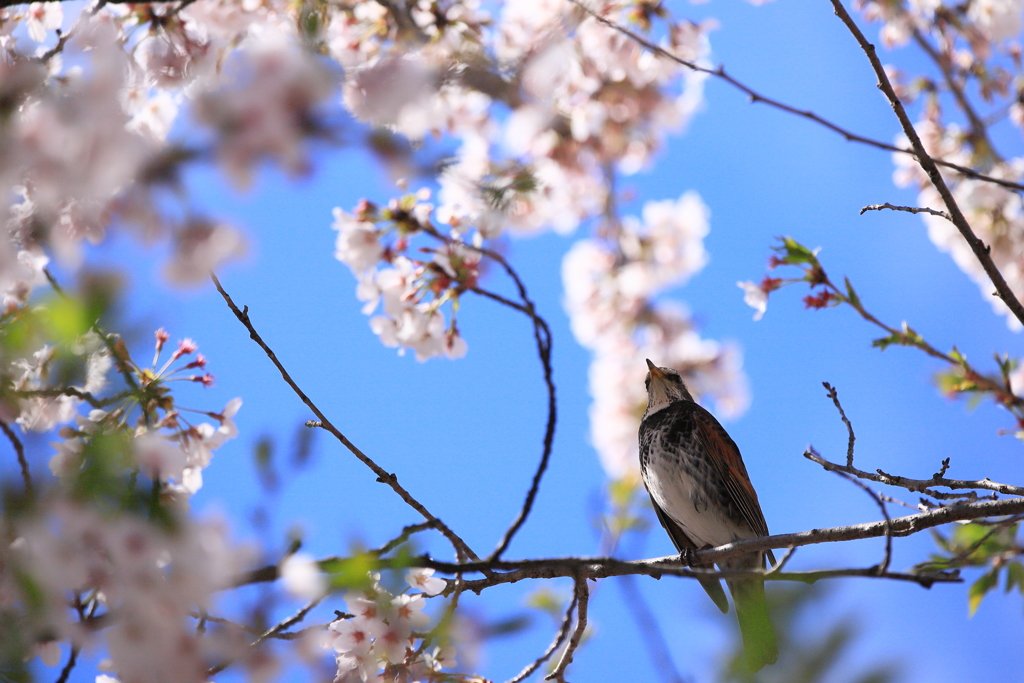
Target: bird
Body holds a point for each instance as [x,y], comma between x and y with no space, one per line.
[703,497]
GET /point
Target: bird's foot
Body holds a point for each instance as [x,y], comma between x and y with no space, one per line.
[686,557]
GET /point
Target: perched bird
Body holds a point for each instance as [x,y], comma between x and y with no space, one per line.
[702,494]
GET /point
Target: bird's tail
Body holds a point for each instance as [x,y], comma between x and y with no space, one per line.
[752,610]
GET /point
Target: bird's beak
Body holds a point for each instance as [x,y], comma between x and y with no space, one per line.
[655,372]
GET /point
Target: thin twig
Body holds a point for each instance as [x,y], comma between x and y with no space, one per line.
[582,598]
[402,537]
[917,485]
[563,631]
[270,633]
[929,166]
[719,72]
[542,338]
[72,660]
[834,395]
[909,209]
[382,475]
[251,630]
[790,551]
[53,392]
[19,449]
[960,557]
[884,566]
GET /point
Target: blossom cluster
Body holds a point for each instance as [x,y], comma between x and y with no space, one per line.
[410,291]
[378,642]
[164,445]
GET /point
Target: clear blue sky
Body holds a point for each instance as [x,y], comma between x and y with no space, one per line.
[465,436]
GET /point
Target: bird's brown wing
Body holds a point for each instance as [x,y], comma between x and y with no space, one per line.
[725,457]
[713,587]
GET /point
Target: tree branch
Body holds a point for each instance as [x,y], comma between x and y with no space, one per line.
[917,485]
[582,595]
[382,475]
[542,338]
[19,449]
[563,631]
[719,72]
[909,209]
[981,252]
[603,567]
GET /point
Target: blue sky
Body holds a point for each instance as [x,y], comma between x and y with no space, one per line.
[464,436]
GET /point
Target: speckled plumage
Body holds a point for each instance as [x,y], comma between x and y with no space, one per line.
[703,497]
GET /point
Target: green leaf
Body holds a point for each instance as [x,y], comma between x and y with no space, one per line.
[346,573]
[67,318]
[979,588]
[885,342]
[546,600]
[1015,576]
[957,356]
[795,253]
[850,294]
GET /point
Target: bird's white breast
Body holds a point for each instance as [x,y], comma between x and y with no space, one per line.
[679,496]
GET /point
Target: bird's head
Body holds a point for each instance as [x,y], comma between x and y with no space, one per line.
[664,386]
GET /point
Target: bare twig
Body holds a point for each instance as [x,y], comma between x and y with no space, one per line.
[72,660]
[582,598]
[909,209]
[74,392]
[280,635]
[269,633]
[402,538]
[542,338]
[790,551]
[563,631]
[834,395]
[884,566]
[719,72]
[930,167]
[382,475]
[19,450]
[917,485]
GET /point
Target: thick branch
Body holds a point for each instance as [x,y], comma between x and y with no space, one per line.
[600,567]
[929,165]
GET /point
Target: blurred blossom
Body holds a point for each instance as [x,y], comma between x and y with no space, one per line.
[302,577]
[755,297]
[150,579]
[269,111]
[200,248]
[43,17]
